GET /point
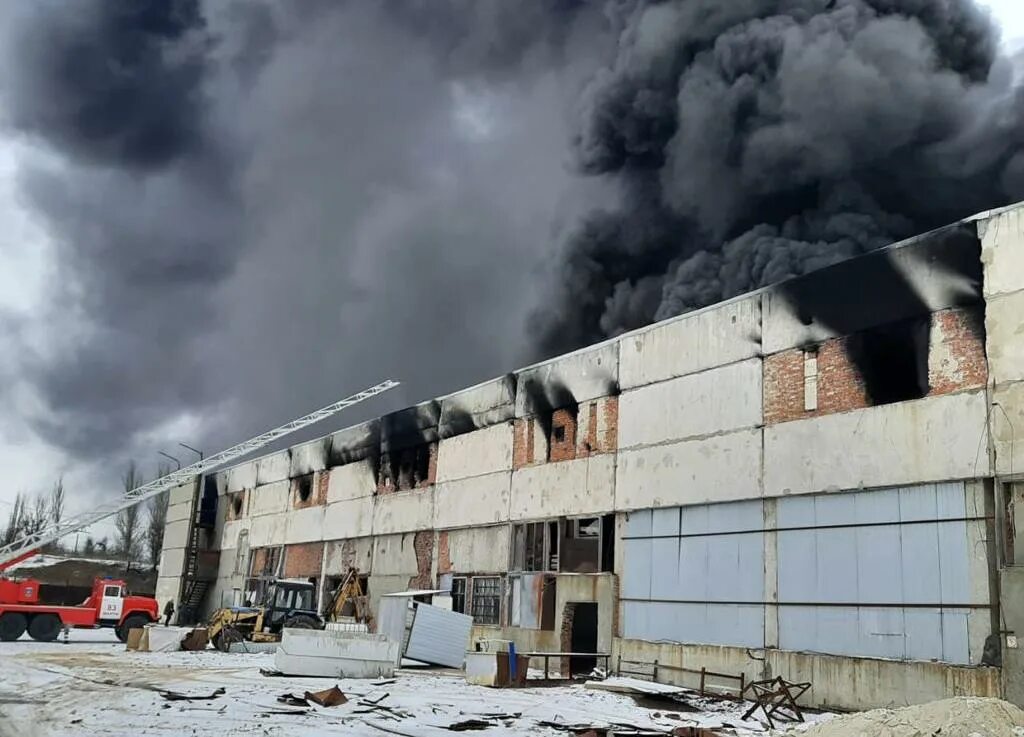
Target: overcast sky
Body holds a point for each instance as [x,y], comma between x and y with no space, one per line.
[28,462]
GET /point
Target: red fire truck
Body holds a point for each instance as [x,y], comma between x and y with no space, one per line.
[109,605]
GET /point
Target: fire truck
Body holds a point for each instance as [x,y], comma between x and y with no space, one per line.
[110,604]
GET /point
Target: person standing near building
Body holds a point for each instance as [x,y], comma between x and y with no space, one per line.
[168,612]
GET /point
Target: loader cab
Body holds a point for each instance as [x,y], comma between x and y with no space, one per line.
[288,600]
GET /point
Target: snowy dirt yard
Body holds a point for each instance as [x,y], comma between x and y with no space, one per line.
[93,686]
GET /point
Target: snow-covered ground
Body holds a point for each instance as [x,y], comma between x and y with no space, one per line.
[93,686]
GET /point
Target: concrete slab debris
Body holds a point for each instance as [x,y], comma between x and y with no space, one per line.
[326,654]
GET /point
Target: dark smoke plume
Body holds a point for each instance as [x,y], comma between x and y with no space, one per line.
[756,140]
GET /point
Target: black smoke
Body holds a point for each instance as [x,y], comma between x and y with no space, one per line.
[756,140]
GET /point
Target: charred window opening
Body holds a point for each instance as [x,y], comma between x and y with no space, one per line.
[569,545]
[560,429]
[409,468]
[236,505]
[893,361]
[304,487]
[558,434]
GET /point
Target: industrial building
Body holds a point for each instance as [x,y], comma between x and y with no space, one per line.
[815,480]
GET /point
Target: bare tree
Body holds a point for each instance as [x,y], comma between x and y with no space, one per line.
[57,501]
[127,524]
[37,517]
[156,520]
[15,520]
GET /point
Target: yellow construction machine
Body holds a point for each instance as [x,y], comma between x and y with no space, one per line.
[349,600]
[289,603]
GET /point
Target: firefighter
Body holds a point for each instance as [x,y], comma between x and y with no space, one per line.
[168,613]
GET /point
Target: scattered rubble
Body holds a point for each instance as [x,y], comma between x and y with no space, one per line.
[175,696]
[962,716]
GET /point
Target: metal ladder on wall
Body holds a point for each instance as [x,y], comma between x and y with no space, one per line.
[27,546]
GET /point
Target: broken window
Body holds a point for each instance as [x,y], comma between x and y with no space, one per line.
[582,546]
[304,487]
[586,527]
[892,360]
[532,544]
[409,468]
[558,434]
[810,380]
[236,504]
[459,595]
[486,599]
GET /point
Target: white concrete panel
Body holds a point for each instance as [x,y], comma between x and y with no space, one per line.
[242,476]
[713,401]
[1008,428]
[309,457]
[267,530]
[182,494]
[176,534]
[482,500]
[1002,251]
[701,340]
[479,550]
[229,538]
[403,511]
[349,518]
[172,562]
[351,481]
[305,525]
[273,467]
[931,439]
[1004,341]
[270,498]
[487,403]
[178,512]
[476,453]
[719,468]
[583,486]
[587,374]
[393,555]
[166,590]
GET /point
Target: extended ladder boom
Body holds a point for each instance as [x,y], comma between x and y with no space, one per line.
[25,546]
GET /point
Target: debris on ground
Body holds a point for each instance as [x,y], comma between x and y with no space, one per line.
[962,716]
[634,686]
[328,697]
[470,725]
[777,699]
[175,696]
[196,640]
[291,699]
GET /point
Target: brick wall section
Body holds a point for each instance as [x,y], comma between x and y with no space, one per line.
[257,559]
[303,560]
[956,362]
[608,440]
[956,359]
[565,637]
[423,545]
[444,556]
[564,450]
[321,482]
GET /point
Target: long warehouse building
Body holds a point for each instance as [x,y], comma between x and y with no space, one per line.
[815,480]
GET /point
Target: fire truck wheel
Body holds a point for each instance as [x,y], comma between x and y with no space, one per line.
[12,626]
[131,622]
[44,627]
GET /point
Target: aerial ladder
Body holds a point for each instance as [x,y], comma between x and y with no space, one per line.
[27,546]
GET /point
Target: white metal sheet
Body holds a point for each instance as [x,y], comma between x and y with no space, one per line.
[439,637]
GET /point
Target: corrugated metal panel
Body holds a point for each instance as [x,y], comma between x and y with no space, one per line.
[439,637]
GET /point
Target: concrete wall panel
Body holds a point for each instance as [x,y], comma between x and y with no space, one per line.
[714,401]
[479,550]
[270,529]
[305,525]
[582,486]
[351,481]
[486,404]
[182,494]
[309,457]
[476,453]
[1002,251]
[347,519]
[588,374]
[270,498]
[482,500]
[711,337]
[178,512]
[720,468]
[930,439]
[242,476]
[229,536]
[403,511]
[273,467]
[394,555]
[1004,342]
[176,534]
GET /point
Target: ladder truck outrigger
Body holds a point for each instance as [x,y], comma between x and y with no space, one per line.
[109,604]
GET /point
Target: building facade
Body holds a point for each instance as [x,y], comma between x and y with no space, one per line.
[816,480]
